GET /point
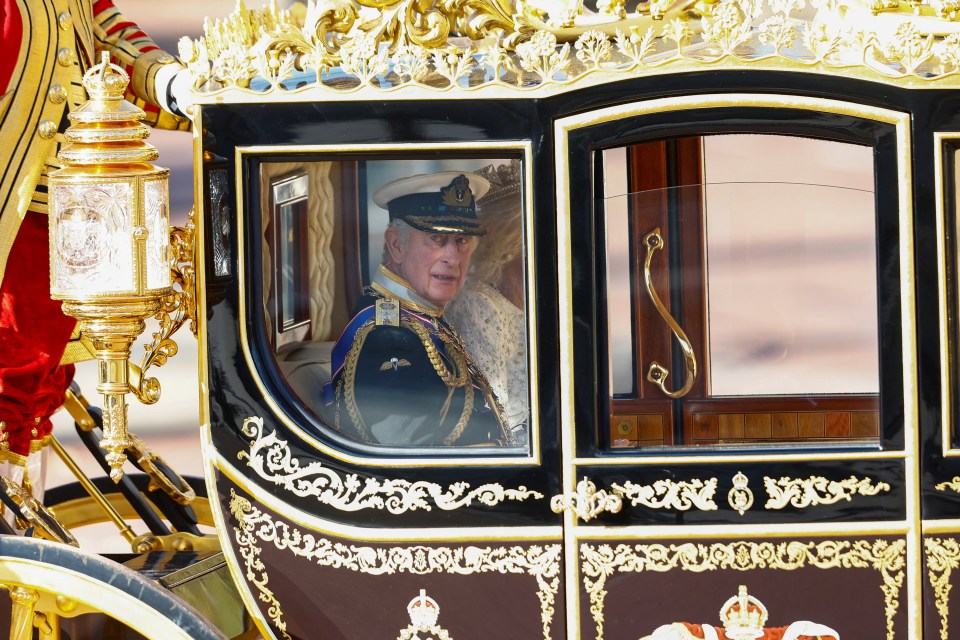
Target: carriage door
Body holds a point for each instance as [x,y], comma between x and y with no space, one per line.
[739,398]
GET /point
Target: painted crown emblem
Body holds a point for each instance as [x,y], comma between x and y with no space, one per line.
[743,616]
[423,611]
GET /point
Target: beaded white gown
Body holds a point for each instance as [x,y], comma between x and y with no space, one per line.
[494,331]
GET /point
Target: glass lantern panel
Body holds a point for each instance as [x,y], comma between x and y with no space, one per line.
[157,222]
[91,234]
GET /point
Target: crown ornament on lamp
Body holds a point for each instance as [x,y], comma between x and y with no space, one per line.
[109,237]
[743,616]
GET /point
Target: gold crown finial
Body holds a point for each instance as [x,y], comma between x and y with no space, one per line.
[743,616]
[106,81]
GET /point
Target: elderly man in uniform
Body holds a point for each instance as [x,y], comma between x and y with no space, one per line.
[45,47]
[402,375]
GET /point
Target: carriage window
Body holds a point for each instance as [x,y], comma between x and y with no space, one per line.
[741,271]
[394,297]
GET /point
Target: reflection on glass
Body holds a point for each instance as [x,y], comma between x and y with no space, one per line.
[429,347]
[771,277]
[291,276]
[791,291]
[620,316]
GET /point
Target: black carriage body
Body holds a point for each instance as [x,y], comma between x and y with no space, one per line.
[339,559]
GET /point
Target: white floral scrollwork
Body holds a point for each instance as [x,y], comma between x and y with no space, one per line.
[271,459]
[667,494]
[588,502]
[601,561]
[817,490]
[254,526]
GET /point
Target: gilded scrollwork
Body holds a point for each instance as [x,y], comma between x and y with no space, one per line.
[817,490]
[177,308]
[601,561]
[587,502]
[943,558]
[668,494]
[255,527]
[521,45]
[271,459]
[951,485]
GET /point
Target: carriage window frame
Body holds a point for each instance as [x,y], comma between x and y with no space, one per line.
[586,421]
[947,193]
[290,409]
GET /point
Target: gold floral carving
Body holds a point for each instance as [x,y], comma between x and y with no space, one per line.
[587,502]
[943,557]
[953,485]
[254,527]
[442,45]
[178,308]
[667,494]
[271,459]
[600,561]
[817,490]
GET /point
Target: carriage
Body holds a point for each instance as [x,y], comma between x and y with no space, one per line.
[720,312]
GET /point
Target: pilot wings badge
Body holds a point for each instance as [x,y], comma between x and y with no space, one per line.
[394,363]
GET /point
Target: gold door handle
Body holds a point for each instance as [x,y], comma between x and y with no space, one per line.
[657,374]
[588,502]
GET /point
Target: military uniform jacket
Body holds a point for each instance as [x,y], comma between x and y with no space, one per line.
[403,377]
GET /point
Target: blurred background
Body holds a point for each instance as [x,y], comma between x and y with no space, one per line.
[170,427]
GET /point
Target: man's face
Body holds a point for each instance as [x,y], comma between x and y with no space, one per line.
[436,264]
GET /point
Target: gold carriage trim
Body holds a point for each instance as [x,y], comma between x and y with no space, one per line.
[541,562]
[817,490]
[598,562]
[271,459]
[952,485]
[668,494]
[942,558]
[348,45]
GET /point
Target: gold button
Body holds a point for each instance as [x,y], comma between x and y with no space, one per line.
[57,94]
[47,129]
[66,57]
[64,21]
[3,425]
[36,421]
[33,432]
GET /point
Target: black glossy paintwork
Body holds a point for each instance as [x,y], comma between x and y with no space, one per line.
[234,396]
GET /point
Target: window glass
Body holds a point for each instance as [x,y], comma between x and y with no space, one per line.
[404,280]
[742,302]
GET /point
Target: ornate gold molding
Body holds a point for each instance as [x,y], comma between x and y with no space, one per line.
[599,562]
[587,502]
[542,562]
[271,459]
[943,557]
[518,46]
[668,494]
[817,490]
[953,485]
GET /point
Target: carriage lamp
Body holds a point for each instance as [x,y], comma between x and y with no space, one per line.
[109,237]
